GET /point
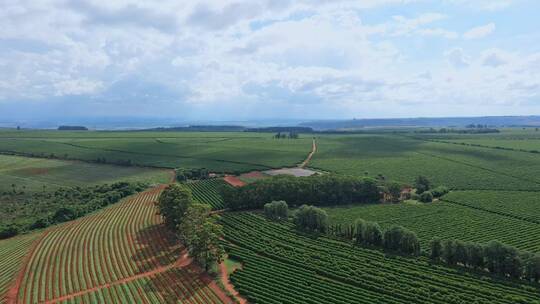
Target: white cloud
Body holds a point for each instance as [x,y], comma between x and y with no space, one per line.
[479,31]
[457,58]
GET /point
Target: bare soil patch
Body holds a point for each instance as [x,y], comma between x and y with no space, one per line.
[234,181]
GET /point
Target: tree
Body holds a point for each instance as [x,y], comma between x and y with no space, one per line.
[460,252]
[449,252]
[426,197]
[409,243]
[436,249]
[311,219]
[475,255]
[373,234]
[394,190]
[392,238]
[173,204]
[532,267]
[276,210]
[201,235]
[359,231]
[422,184]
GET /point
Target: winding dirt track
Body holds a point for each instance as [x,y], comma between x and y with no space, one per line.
[305,163]
[228,285]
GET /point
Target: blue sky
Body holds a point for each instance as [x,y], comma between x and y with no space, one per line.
[235,60]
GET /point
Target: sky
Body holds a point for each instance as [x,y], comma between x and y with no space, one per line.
[222,60]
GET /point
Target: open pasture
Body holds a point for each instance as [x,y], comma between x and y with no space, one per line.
[224,151]
[283,266]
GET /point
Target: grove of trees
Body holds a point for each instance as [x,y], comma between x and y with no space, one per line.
[311,219]
[193,223]
[276,210]
[494,257]
[318,190]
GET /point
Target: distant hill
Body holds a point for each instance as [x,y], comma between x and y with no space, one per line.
[202,128]
[72,128]
[281,129]
[491,121]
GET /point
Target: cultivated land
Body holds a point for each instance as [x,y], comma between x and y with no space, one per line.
[123,254]
[37,174]
[282,266]
[222,151]
[118,255]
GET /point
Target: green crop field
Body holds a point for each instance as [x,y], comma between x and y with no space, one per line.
[240,151]
[445,220]
[403,158]
[207,192]
[12,253]
[112,256]
[282,266]
[35,174]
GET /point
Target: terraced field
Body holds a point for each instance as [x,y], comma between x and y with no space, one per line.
[121,253]
[207,192]
[33,174]
[282,266]
[223,151]
[12,253]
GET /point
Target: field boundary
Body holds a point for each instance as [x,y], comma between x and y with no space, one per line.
[305,163]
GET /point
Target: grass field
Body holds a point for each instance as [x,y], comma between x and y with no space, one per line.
[35,174]
[120,254]
[207,192]
[223,151]
[282,266]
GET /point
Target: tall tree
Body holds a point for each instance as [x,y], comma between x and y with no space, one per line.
[422,184]
[373,234]
[436,249]
[173,204]
[201,234]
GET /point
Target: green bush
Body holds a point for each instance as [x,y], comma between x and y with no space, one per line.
[426,197]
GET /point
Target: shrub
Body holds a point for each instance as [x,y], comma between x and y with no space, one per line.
[439,191]
[276,210]
[426,197]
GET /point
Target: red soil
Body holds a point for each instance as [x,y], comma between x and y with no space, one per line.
[183,261]
[35,171]
[13,292]
[234,181]
[228,286]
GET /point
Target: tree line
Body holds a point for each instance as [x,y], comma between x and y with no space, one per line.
[193,223]
[22,212]
[312,219]
[494,257]
[320,190]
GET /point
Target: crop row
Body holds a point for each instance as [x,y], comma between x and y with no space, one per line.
[12,253]
[446,221]
[172,286]
[207,192]
[303,269]
[121,241]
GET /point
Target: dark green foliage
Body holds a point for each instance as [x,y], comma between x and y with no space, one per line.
[373,234]
[436,249]
[21,212]
[401,240]
[426,197]
[422,184]
[318,190]
[187,174]
[439,191]
[409,243]
[276,210]
[392,238]
[173,203]
[394,190]
[359,231]
[311,219]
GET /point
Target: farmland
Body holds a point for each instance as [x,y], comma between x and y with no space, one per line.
[207,192]
[446,221]
[216,151]
[403,158]
[299,268]
[113,255]
[37,174]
